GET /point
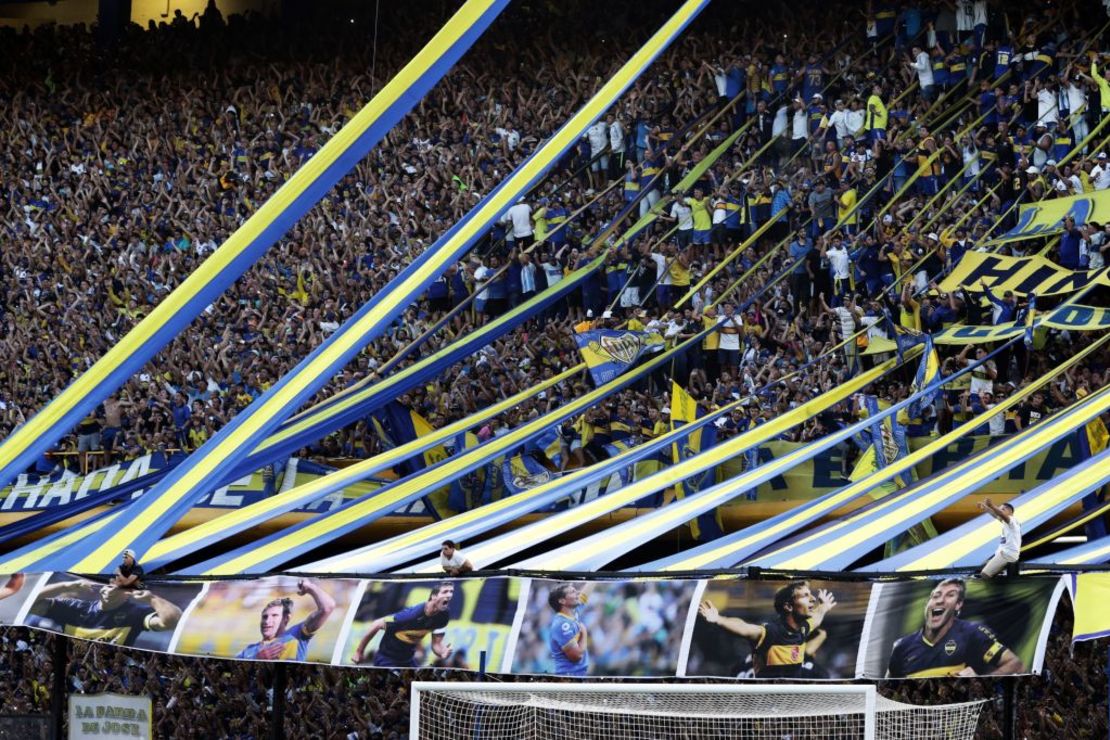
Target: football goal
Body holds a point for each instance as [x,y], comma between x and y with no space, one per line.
[577,711]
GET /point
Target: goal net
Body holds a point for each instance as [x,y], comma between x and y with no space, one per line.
[576,711]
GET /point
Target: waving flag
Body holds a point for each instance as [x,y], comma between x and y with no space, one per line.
[610,353]
[928,372]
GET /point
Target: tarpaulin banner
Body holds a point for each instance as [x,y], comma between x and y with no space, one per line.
[609,353]
[953,627]
[774,627]
[251,240]
[1022,275]
[1046,217]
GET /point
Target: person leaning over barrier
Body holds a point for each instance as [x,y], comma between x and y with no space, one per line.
[1009,544]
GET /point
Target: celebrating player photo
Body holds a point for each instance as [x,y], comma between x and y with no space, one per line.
[278,618]
[445,623]
[777,629]
[604,628]
[136,617]
[957,627]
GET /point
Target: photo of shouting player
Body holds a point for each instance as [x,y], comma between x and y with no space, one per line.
[947,645]
[403,632]
[777,629]
[954,628]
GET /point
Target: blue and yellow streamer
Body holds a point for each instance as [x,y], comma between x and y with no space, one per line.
[250,241]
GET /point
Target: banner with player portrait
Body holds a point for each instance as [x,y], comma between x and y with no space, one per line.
[776,629]
[727,626]
[271,618]
[955,627]
[602,628]
[436,623]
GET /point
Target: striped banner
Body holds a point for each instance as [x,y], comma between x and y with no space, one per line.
[250,241]
[284,546]
[838,545]
[973,542]
[735,547]
[598,550]
[144,522]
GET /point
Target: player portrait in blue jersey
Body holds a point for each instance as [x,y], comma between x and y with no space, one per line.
[947,645]
[281,641]
[568,638]
[602,628]
[404,631]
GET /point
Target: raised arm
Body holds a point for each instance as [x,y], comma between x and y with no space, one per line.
[15,582]
[166,613]
[998,513]
[735,625]
[325,604]
[375,627]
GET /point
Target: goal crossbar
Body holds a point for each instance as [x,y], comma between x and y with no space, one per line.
[443,709]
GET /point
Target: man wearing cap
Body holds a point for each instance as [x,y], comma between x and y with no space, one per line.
[129,574]
[1100,173]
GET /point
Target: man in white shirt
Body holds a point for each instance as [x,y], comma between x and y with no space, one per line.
[855,118]
[838,120]
[1009,544]
[730,326]
[1100,173]
[520,218]
[451,559]
[1048,110]
[598,136]
[921,64]
[616,148]
[799,130]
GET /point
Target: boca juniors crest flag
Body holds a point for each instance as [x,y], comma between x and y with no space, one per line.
[610,353]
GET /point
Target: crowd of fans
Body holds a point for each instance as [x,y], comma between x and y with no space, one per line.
[132,164]
[194,697]
[128,165]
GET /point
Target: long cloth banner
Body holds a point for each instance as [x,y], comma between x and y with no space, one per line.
[597,550]
[1046,217]
[840,544]
[735,547]
[145,521]
[1069,317]
[973,542]
[251,240]
[727,626]
[282,547]
[1022,275]
[324,418]
[421,542]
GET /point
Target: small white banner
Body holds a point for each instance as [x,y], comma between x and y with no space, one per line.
[109,715]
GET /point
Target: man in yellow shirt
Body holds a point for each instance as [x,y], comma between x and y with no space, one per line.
[875,118]
[710,344]
[702,213]
[847,217]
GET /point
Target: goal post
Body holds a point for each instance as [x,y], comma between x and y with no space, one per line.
[568,711]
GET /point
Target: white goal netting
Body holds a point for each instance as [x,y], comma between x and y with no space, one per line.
[657,712]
